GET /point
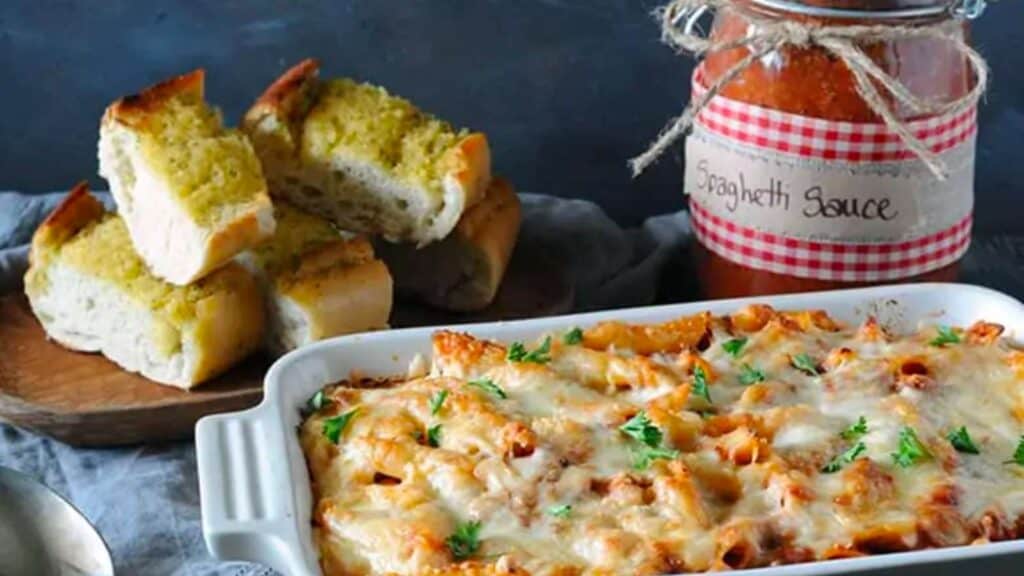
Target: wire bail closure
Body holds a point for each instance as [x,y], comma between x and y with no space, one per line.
[968,9]
[959,9]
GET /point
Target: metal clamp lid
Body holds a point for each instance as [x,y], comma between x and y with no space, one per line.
[959,9]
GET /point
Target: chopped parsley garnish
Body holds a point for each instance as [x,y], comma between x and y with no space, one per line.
[734,347]
[700,384]
[804,363]
[640,428]
[961,440]
[436,401]
[855,430]
[574,336]
[911,450]
[643,456]
[560,511]
[851,454]
[318,401]
[518,353]
[333,427]
[465,541]
[750,375]
[488,385]
[434,436]
[945,335]
[649,437]
[1018,454]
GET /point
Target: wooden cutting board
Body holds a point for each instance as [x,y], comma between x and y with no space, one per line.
[86,400]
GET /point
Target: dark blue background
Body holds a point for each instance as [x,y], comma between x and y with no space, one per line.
[567,90]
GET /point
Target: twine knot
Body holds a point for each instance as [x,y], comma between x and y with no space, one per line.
[765,35]
[796,34]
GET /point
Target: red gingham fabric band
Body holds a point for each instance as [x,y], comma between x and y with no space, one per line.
[815,140]
[829,261]
[807,137]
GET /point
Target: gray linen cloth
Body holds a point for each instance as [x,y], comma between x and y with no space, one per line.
[145,500]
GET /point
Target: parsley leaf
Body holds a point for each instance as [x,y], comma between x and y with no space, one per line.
[961,440]
[645,455]
[804,363]
[434,436]
[851,454]
[734,347]
[465,541]
[649,436]
[542,355]
[333,427]
[318,401]
[750,375]
[436,401]
[700,384]
[560,511]
[574,336]
[911,450]
[945,335]
[516,352]
[488,385]
[1018,454]
[855,430]
[640,428]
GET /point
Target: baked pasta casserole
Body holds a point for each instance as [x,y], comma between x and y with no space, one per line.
[703,443]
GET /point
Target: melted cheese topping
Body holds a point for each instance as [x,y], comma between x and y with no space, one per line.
[770,467]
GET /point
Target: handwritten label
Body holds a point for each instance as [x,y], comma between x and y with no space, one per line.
[826,200]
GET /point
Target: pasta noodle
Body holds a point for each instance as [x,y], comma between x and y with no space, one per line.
[703,443]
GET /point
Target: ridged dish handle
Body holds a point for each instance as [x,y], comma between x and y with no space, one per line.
[245,498]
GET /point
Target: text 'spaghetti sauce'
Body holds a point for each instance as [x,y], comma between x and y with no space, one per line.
[811,82]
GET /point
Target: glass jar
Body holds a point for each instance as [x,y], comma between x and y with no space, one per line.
[814,84]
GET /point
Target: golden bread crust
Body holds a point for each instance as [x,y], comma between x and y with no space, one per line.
[464,271]
[236,236]
[228,324]
[283,94]
[493,227]
[351,252]
[345,299]
[135,108]
[228,321]
[76,210]
[283,119]
[469,164]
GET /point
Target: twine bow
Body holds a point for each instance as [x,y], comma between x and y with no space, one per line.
[766,35]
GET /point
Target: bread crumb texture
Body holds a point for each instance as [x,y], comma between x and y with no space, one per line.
[213,172]
[103,249]
[389,132]
[297,233]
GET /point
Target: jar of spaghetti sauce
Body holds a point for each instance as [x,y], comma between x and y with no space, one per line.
[796,183]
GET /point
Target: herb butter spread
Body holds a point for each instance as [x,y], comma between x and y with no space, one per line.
[212,172]
[383,130]
[104,250]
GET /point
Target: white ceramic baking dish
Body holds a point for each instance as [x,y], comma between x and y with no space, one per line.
[254,486]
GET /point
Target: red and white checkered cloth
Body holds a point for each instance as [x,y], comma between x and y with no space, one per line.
[808,137]
[847,142]
[826,260]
